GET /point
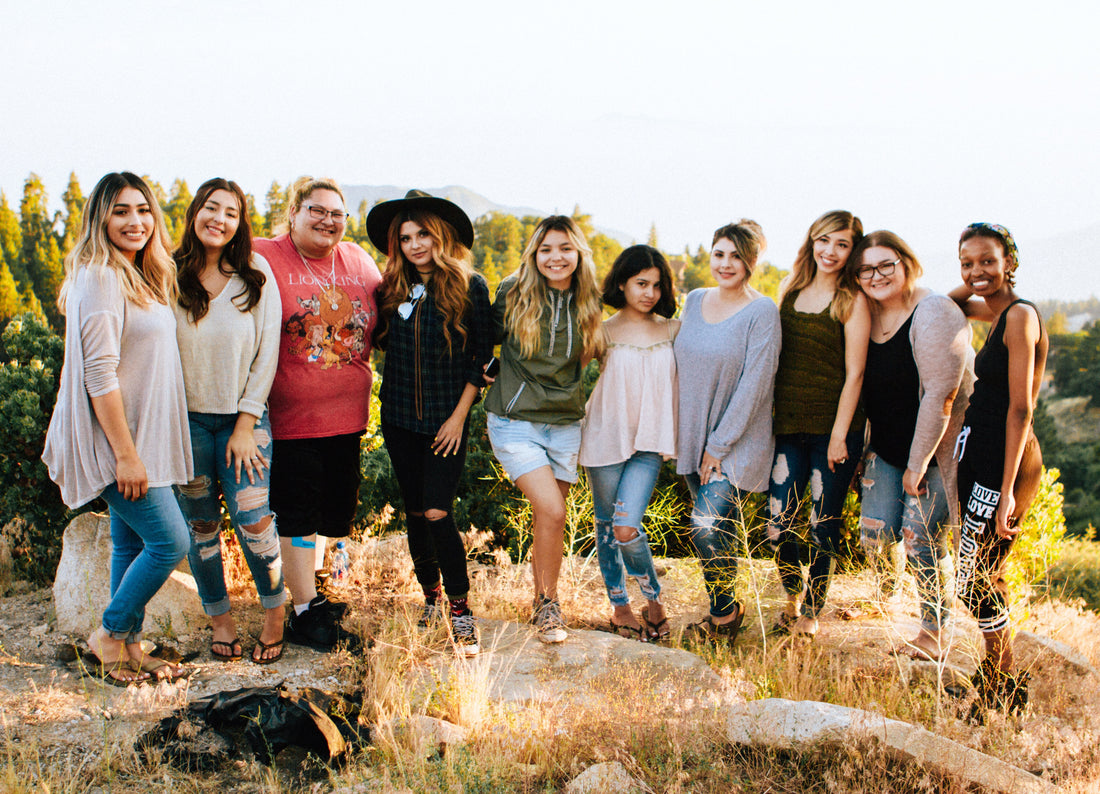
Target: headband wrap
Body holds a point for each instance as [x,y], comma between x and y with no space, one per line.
[1005,236]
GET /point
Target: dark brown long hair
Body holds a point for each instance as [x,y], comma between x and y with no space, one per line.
[236,257]
[450,282]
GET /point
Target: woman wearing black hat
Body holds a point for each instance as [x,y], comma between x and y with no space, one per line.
[434,324]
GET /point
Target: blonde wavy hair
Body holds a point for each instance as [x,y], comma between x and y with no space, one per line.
[527,299]
[804,268]
[299,191]
[151,277]
[450,282]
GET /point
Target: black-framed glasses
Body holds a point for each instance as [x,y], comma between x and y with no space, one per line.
[406,308]
[320,213]
[884,269]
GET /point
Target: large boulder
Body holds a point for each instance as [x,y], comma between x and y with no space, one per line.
[801,725]
[82,587]
[606,778]
[586,669]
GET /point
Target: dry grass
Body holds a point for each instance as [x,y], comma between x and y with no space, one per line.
[541,747]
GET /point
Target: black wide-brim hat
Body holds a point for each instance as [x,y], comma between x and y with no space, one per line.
[381,216]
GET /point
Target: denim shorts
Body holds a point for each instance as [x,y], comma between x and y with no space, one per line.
[521,447]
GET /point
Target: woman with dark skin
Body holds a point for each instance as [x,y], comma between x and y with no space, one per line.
[1000,463]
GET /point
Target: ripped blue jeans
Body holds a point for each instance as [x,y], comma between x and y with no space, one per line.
[247,504]
[717,521]
[620,496]
[889,516]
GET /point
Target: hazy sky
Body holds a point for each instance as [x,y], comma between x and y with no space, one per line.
[918,117]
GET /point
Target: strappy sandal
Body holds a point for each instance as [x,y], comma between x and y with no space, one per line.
[234,646]
[659,631]
[707,631]
[263,647]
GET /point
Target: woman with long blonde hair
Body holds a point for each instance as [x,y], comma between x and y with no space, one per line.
[547,317]
[119,429]
[434,324]
[818,423]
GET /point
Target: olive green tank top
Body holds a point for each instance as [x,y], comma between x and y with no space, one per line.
[811,372]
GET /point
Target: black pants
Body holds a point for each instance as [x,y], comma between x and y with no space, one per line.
[982,552]
[429,482]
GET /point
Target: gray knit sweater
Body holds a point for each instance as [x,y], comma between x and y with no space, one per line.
[727,378]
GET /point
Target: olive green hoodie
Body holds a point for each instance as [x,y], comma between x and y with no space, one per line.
[546,387]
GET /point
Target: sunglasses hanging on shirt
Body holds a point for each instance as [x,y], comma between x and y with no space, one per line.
[405,310]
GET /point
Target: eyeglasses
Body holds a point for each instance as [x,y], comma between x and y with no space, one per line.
[406,308]
[884,269]
[320,213]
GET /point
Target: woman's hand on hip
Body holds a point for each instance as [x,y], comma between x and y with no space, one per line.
[131,477]
[449,437]
[1004,515]
[242,452]
[838,451]
[914,483]
[711,467]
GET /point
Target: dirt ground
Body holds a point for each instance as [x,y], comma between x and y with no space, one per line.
[71,720]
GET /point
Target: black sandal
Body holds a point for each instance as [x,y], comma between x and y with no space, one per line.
[234,650]
[659,631]
[627,632]
[264,647]
[707,631]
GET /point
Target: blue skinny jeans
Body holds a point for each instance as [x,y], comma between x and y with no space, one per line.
[889,516]
[149,538]
[717,521]
[620,496]
[247,505]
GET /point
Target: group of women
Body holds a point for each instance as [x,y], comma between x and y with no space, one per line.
[241,371]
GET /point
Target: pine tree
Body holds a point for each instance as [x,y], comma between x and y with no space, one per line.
[37,229]
[255,219]
[31,303]
[175,211]
[11,242]
[584,221]
[652,239]
[276,201]
[73,199]
[10,302]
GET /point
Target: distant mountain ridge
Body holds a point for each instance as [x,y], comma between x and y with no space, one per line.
[474,204]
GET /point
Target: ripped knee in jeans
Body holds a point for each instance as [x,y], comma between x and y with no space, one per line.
[197,488]
[262,538]
[870,534]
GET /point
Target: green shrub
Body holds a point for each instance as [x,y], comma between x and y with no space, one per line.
[28,390]
[1077,573]
[1041,540]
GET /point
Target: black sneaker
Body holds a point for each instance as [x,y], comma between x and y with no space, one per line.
[431,614]
[998,691]
[319,628]
[464,632]
[322,581]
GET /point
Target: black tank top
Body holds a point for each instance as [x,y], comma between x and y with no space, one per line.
[891,396]
[988,407]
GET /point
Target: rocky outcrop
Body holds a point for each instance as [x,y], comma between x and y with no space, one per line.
[585,670]
[607,778]
[802,725]
[82,586]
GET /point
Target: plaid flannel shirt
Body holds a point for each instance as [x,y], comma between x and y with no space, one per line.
[421,381]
